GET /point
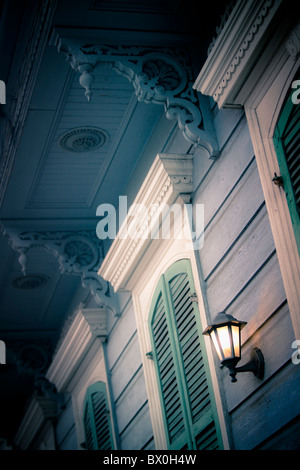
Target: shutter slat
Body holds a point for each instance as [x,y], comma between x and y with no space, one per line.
[101,420]
[207,439]
[291,144]
[180,363]
[88,430]
[165,363]
[97,419]
[191,350]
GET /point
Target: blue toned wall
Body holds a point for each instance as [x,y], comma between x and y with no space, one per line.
[65,428]
[127,381]
[241,275]
[239,272]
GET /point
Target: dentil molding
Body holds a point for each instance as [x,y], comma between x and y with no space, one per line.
[235,50]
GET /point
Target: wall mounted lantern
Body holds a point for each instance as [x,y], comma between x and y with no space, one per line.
[225,333]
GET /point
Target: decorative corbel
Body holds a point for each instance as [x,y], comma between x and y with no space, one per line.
[161,76]
[79,253]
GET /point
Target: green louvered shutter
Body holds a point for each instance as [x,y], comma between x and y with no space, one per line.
[97,418]
[88,428]
[182,368]
[287,144]
[167,374]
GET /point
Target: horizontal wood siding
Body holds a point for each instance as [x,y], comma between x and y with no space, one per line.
[241,275]
[65,429]
[128,383]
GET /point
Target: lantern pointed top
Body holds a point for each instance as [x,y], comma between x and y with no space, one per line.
[223,318]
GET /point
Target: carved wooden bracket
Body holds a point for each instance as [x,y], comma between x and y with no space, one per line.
[162,77]
[79,253]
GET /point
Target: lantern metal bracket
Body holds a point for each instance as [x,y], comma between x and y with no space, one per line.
[256,364]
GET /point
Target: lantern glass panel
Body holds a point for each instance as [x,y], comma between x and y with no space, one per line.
[236,340]
[225,342]
[215,341]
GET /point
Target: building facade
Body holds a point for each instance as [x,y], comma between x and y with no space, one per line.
[205,158]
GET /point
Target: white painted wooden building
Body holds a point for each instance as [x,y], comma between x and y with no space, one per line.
[149,104]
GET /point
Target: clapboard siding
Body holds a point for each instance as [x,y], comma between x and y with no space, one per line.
[65,429]
[229,222]
[120,333]
[226,121]
[226,171]
[240,265]
[126,367]
[242,276]
[268,410]
[127,380]
[277,330]
[131,400]
[255,303]
[138,434]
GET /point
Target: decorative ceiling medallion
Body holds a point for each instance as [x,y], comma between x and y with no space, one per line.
[83,139]
[32,281]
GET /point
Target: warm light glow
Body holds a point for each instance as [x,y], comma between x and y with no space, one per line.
[225,333]
[236,340]
[214,338]
[225,342]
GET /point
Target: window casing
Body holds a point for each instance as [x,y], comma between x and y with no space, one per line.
[186,393]
[287,145]
[96,418]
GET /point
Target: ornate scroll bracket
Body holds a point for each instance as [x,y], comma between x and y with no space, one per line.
[79,253]
[293,43]
[162,77]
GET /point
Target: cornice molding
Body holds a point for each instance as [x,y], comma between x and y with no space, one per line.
[39,411]
[235,50]
[169,179]
[86,325]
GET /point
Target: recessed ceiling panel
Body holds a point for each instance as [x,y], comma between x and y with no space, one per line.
[82,141]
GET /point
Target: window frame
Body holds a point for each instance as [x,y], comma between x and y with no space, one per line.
[88,407]
[283,119]
[191,429]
